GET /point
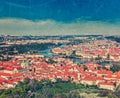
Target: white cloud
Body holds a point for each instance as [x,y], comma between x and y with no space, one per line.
[51,27]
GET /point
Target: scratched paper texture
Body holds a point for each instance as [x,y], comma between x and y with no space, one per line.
[59,17]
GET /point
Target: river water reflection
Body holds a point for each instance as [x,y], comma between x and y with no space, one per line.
[48,53]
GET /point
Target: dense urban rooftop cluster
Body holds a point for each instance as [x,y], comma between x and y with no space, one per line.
[104,49]
[39,68]
[36,66]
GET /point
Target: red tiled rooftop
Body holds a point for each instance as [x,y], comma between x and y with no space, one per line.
[4,74]
[104,72]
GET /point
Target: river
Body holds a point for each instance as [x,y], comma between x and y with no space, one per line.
[48,53]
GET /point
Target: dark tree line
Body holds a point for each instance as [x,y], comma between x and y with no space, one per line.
[44,89]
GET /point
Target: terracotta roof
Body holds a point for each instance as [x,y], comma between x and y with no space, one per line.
[4,74]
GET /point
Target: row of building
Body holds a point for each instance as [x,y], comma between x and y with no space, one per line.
[99,48]
[38,67]
[65,69]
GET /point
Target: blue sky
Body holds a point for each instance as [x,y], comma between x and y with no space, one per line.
[59,17]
